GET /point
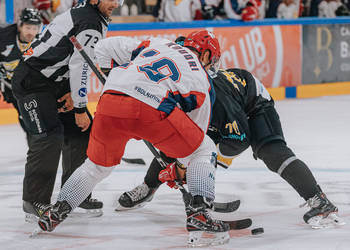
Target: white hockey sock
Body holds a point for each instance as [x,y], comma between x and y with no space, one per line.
[81,183]
[201,179]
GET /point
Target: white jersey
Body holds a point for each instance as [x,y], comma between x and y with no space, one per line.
[159,73]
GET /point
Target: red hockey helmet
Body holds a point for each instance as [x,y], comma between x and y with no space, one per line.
[204,40]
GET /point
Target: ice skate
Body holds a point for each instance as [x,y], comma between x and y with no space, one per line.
[88,208]
[203,229]
[136,198]
[33,210]
[53,216]
[323,213]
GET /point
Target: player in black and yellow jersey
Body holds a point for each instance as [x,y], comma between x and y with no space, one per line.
[244,115]
[14,40]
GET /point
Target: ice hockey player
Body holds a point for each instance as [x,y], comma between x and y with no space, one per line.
[244,115]
[14,40]
[53,70]
[163,95]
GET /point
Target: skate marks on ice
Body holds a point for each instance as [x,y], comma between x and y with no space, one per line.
[265,197]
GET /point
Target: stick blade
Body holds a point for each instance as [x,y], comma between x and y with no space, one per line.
[226,207]
[139,161]
[239,224]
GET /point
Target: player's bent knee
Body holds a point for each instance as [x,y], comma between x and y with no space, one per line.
[265,127]
[206,152]
[276,155]
[96,171]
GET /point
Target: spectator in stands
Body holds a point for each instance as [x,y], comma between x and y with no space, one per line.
[347,4]
[131,8]
[288,9]
[188,10]
[246,10]
[272,9]
[327,8]
[344,9]
[314,7]
[177,10]
[255,9]
[51,8]
[234,8]
[209,9]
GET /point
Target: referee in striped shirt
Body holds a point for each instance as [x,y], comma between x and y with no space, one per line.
[52,77]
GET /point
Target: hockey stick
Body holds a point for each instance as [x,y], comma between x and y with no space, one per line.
[5,83]
[220,207]
[102,79]
[217,207]
[134,160]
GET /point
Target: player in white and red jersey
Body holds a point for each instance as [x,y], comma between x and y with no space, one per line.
[161,92]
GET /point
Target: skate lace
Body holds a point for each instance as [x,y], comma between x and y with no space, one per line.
[92,200]
[209,222]
[40,206]
[138,192]
[312,202]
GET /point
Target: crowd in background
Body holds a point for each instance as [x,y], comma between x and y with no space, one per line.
[246,10]
[189,10]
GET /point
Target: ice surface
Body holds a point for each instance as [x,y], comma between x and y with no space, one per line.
[316,129]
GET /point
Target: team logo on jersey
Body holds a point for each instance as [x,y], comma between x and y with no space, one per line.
[8,49]
[30,105]
[82,92]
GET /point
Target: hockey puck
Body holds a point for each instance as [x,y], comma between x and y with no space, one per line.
[258,230]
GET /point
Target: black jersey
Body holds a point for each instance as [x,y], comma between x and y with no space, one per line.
[53,55]
[10,50]
[238,95]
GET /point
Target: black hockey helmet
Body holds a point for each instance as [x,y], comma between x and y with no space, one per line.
[30,16]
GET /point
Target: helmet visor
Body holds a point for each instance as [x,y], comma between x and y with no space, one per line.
[215,66]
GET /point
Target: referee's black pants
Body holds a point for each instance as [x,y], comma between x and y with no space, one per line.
[50,133]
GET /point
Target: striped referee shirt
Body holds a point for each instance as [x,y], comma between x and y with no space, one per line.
[54,56]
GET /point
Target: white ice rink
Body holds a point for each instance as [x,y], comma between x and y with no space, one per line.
[317,130]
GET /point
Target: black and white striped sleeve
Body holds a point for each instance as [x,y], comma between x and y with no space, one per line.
[79,70]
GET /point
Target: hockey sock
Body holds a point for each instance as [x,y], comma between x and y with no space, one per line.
[280,159]
[151,178]
[201,179]
[81,183]
[299,176]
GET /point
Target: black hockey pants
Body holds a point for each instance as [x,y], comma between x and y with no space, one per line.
[50,134]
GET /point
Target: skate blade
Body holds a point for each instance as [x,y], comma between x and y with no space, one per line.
[120,208]
[85,213]
[203,239]
[35,233]
[30,218]
[332,220]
